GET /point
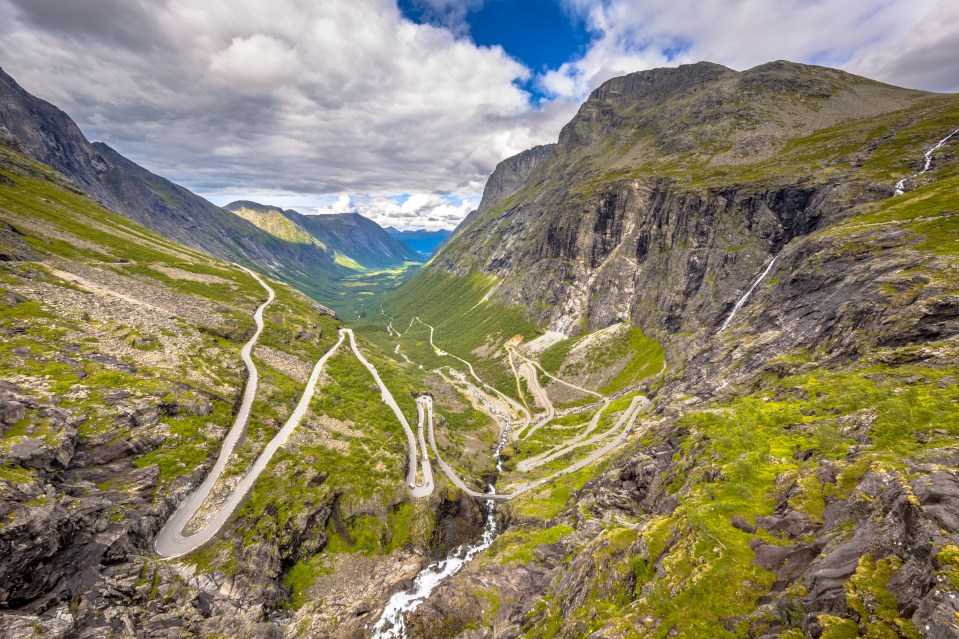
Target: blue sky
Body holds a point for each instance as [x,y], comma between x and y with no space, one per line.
[541,34]
[401,111]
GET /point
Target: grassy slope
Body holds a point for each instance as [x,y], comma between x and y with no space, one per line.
[364,461]
[276,224]
[694,559]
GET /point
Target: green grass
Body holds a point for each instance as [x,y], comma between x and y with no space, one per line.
[638,356]
[644,358]
[518,546]
[301,577]
[463,321]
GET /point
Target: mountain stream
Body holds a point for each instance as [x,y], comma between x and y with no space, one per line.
[392,623]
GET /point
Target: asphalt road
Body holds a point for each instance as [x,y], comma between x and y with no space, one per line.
[171,542]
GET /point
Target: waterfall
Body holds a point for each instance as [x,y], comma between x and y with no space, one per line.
[742,300]
[392,623]
[901,184]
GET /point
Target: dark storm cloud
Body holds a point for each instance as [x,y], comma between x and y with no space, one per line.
[126,23]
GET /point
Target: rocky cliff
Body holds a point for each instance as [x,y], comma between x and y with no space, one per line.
[671,188]
[507,177]
[796,474]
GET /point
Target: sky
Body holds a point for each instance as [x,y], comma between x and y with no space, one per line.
[400,111]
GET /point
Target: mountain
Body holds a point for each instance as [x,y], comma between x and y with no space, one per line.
[353,240]
[690,372]
[721,161]
[730,245]
[357,237]
[273,221]
[422,241]
[48,135]
[121,372]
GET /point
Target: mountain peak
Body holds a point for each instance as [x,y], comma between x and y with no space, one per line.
[661,82]
[239,205]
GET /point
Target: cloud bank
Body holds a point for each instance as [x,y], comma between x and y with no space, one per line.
[333,105]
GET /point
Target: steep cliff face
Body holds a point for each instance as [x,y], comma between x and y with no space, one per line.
[510,174]
[795,476]
[647,252]
[507,177]
[671,189]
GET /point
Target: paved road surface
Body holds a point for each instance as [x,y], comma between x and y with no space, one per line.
[171,542]
[413,487]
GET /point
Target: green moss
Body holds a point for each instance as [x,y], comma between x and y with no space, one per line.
[837,627]
[16,474]
[949,558]
[868,595]
[517,546]
[301,577]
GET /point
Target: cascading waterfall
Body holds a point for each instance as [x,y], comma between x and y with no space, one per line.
[742,300]
[503,442]
[392,623]
[901,184]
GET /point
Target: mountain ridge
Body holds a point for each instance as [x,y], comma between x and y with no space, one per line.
[620,153]
[50,136]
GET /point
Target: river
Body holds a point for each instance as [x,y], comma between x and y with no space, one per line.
[392,623]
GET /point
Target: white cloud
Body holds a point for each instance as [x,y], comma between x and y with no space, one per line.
[302,103]
[408,211]
[287,95]
[887,40]
[256,61]
[342,204]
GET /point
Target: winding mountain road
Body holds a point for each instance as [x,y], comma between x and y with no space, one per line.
[173,540]
[413,487]
[624,425]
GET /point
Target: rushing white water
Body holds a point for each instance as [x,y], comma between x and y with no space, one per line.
[503,441]
[392,623]
[742,300]
[901,184]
